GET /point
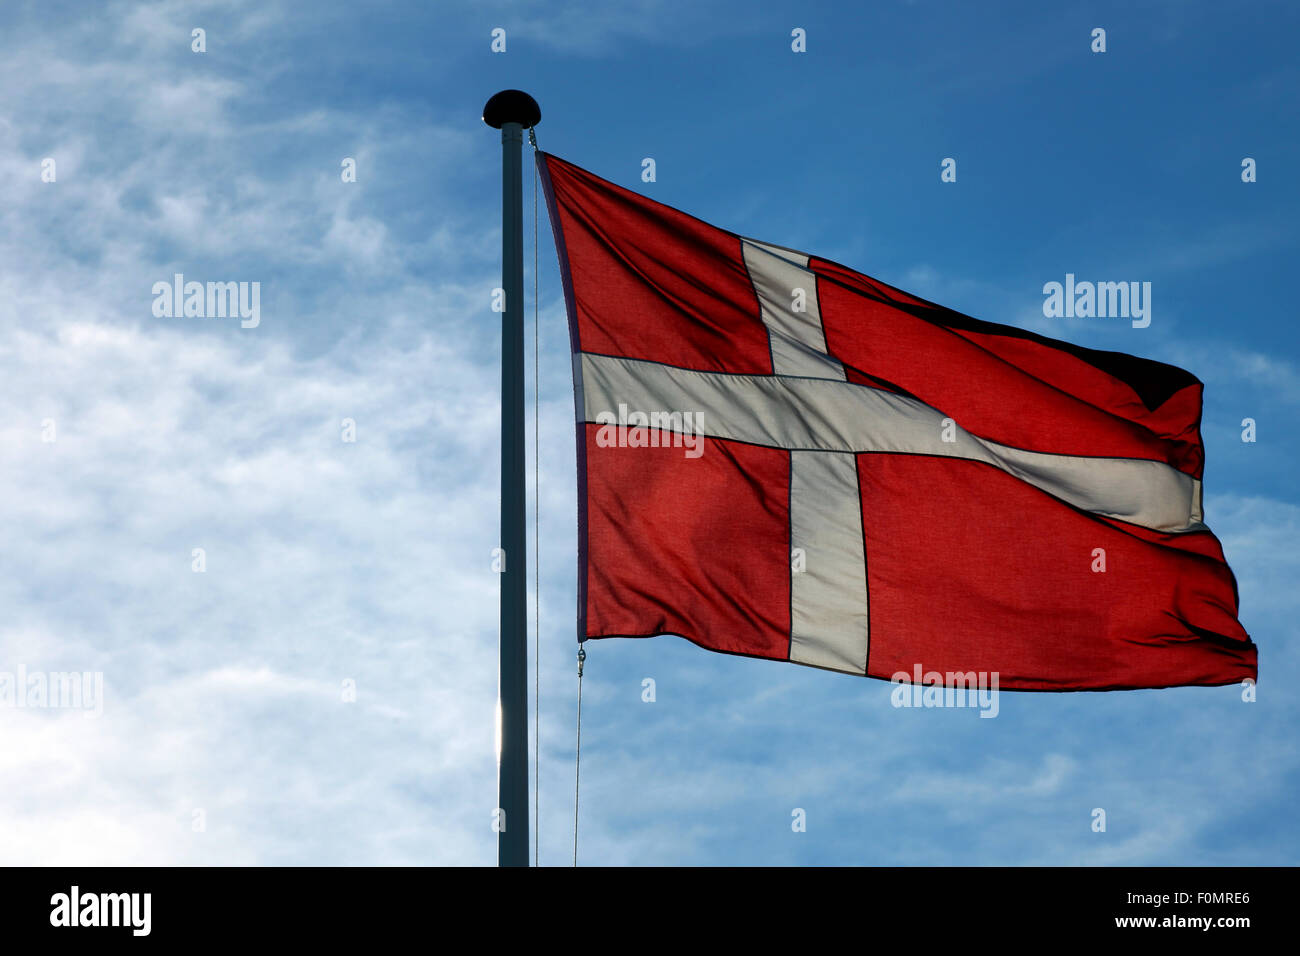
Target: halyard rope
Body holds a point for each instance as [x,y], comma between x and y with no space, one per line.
[537,571]
[577,754]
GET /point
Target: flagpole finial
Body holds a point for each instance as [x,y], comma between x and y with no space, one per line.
[512,106]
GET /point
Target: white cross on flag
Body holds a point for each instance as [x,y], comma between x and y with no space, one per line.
[782,458]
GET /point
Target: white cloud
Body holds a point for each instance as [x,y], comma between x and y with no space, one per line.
[325,561]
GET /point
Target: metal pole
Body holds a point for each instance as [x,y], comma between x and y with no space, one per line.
[512,111]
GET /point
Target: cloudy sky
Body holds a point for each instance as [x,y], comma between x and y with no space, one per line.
[225,736]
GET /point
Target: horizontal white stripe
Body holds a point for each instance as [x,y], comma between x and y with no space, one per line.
[826,415]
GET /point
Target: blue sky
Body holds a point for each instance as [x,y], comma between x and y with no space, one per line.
[370,561]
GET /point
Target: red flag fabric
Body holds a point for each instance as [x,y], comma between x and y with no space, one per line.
[781,458]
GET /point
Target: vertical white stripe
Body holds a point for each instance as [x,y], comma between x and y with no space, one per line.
[828,599]
[781,280]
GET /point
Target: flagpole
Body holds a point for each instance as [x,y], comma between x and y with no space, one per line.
[512,111]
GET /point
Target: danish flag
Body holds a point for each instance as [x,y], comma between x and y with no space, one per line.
[781,458]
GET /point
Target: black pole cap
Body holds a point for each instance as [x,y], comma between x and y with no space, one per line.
[512,106]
